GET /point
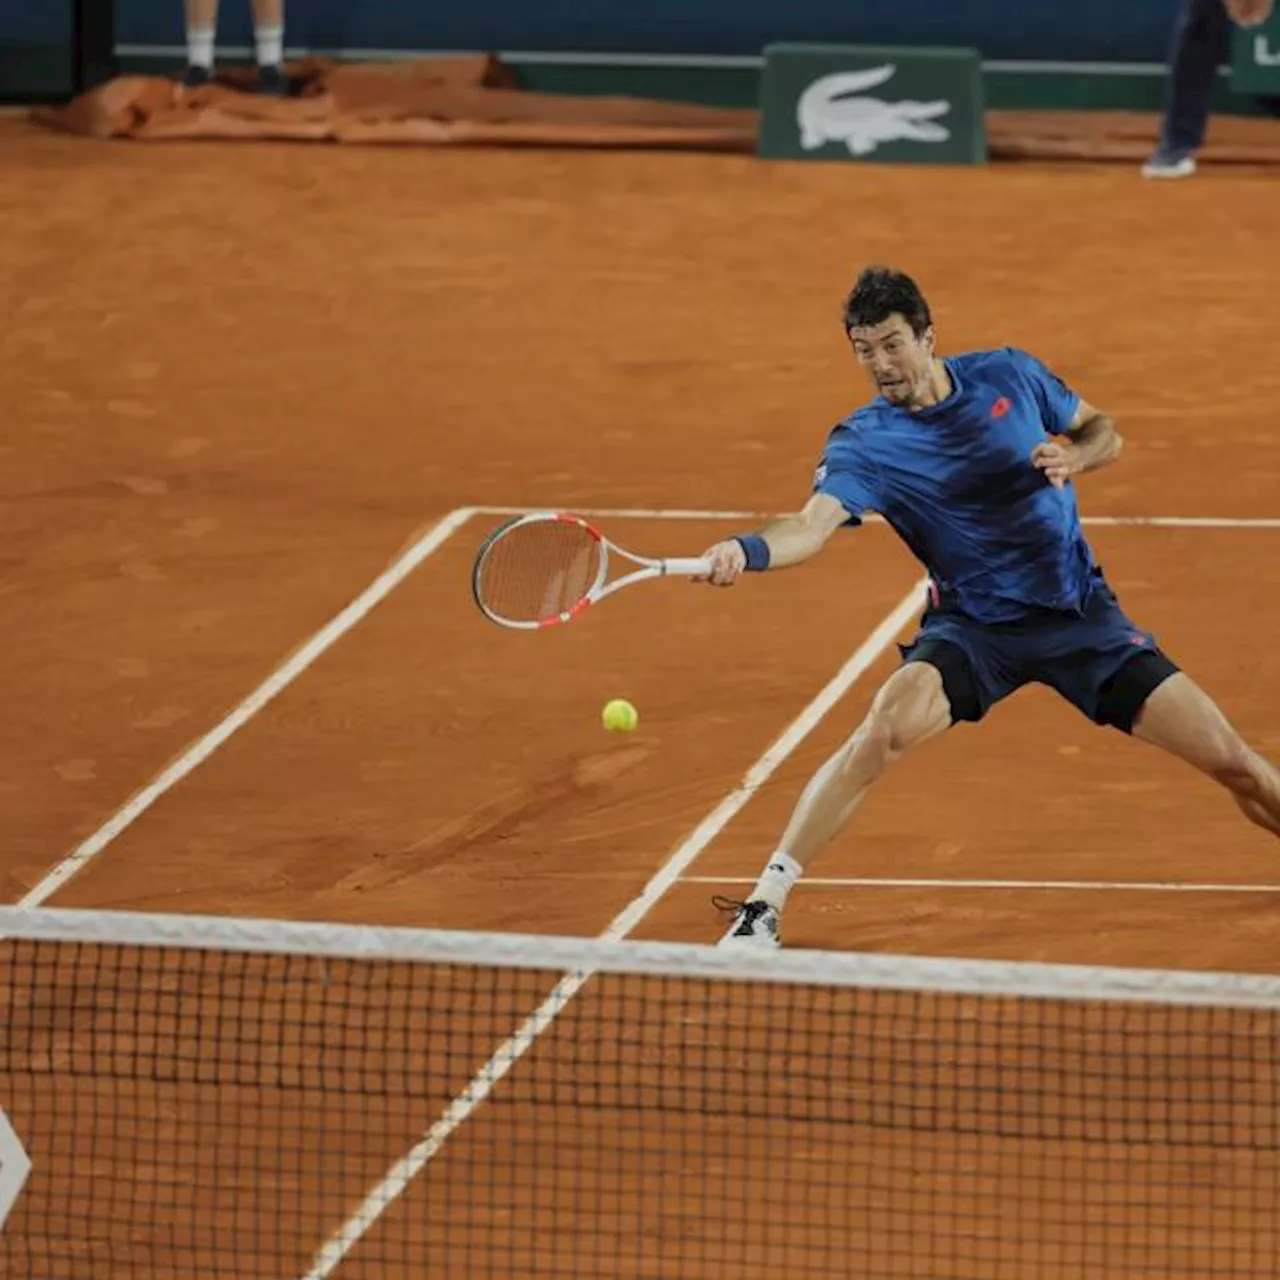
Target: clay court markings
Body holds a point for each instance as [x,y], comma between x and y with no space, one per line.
[429,542]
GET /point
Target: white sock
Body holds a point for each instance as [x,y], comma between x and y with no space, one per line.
[269,39]
[200,47]
[776,880]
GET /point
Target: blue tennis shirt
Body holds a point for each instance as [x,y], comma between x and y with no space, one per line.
[955,481]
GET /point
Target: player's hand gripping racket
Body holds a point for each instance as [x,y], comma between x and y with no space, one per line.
[542,569]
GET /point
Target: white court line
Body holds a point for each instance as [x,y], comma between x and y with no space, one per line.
[677,513]
[509,1052]
[634,513]
[874,882]
[284,675]
[1184,522]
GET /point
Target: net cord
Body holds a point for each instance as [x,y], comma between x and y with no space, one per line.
[936,974]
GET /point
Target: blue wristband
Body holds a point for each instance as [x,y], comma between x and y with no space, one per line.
[757,551]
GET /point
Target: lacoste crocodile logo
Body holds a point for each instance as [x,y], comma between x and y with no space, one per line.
[826,113]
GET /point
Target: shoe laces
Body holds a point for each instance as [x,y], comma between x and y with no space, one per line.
[735,906]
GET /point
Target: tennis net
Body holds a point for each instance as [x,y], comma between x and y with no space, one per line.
[234,1098]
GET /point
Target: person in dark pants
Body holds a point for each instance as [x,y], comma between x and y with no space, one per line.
[1201,44]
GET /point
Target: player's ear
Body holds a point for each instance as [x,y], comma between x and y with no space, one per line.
[929,339]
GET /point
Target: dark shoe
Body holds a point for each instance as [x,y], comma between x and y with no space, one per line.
[272,82]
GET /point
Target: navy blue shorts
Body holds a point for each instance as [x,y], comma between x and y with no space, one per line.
[1100,661]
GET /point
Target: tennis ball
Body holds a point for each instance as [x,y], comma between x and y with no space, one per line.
[620,716]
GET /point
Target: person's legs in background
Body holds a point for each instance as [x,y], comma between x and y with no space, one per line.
[202,26]
[1201,42]
[268,35]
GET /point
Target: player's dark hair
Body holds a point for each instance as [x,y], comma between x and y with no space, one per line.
[881,292]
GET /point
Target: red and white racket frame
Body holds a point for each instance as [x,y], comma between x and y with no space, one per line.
[649,567]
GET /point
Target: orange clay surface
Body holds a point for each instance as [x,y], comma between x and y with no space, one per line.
[239,380]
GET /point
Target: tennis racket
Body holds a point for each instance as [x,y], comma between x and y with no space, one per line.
[544,569]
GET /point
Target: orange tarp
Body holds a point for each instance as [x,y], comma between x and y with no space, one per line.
[475,100]
[436,100]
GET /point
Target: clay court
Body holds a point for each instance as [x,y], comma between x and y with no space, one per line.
[245,382]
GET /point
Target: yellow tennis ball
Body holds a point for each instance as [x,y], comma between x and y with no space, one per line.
[620,716]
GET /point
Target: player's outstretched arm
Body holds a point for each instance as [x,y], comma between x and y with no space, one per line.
[1090,442]
[785,541]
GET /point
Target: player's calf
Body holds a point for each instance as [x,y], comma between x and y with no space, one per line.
[910,708]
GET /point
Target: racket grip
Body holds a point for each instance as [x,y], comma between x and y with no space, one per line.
[687,568]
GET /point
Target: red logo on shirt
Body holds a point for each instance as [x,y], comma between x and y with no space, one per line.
[1001,407]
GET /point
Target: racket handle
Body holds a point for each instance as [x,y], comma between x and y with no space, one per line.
[686,568]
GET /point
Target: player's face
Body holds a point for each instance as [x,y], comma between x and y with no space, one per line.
[898,363]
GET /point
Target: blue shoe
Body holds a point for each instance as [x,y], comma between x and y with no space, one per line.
[1170,164]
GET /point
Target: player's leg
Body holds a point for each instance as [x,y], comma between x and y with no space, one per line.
[1117,675]
[914,705]
[909,709]
[202,26]
[268,35]
[1181,718]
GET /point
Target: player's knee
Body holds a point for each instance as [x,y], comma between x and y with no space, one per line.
[904,712]
[871,749]
[875,744]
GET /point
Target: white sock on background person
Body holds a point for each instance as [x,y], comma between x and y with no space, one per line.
[269,39]
[200,47]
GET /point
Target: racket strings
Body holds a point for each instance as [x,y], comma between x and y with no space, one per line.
[539,570]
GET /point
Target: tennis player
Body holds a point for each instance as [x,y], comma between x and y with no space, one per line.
[971,459]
